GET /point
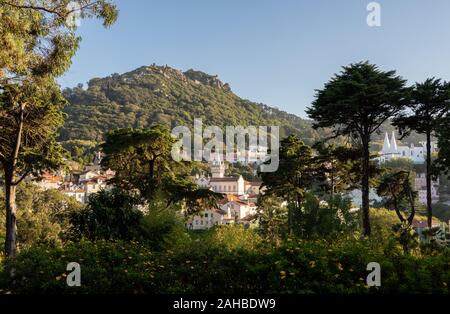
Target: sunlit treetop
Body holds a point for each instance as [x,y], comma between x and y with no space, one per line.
[38,36]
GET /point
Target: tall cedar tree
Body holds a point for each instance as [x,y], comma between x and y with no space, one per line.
[442,164]
[356,103]
[38,41]
[430,102]
[297,173]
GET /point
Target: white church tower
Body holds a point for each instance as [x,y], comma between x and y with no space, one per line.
[391,150]
[218,167]
[394,146]
[386,144]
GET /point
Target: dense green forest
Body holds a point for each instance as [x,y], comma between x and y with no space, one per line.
[160,94]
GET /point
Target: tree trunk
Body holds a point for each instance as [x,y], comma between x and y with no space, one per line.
[365,185]
[10,191]
[11,216]
[428,178]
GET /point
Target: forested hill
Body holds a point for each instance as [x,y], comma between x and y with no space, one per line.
[160,94]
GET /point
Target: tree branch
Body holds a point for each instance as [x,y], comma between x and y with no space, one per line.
[21,179]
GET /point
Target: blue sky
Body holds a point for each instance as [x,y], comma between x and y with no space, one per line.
[272,51]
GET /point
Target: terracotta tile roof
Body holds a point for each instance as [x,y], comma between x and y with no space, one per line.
[423,223]
[226,179]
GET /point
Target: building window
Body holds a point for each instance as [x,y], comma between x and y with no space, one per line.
[206,215]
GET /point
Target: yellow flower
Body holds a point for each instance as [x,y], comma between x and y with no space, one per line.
[58,278]
[282,274]
[339,266]
[312,264]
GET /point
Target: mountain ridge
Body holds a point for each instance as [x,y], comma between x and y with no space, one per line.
[161,94]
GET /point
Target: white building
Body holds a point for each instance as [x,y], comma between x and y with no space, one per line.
[78,194]
[417,155]
[227,185]
[391,150]
[421,188]
[206,219]
[48,181]
[238,204]
[237,208]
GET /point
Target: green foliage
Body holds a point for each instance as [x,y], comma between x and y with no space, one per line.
[297,171]
[443,134]
[43,217]
[31,113]
[162,95]
[106,267]
[246,171]
[272,218]
[81,151]
[38,43]
[163,229]
[297,174]
[300,174]
[184,192]
[360,96]
[140,157]
[324,219]
[295,267]
[120,215]
[430,102]
[356,102]
[109,215]
[37,38]
[234,237]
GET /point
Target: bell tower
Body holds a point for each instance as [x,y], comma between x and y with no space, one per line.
[218,167]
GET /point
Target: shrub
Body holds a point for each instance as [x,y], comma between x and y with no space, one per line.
[109,215]
[106,267]
[201,267]
[163,229]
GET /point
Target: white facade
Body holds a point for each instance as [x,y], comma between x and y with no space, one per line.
[229,185]
[238,209]
[391,150]
[79,195]
[205,220]
[356,197]
[88,175]
[421,188]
